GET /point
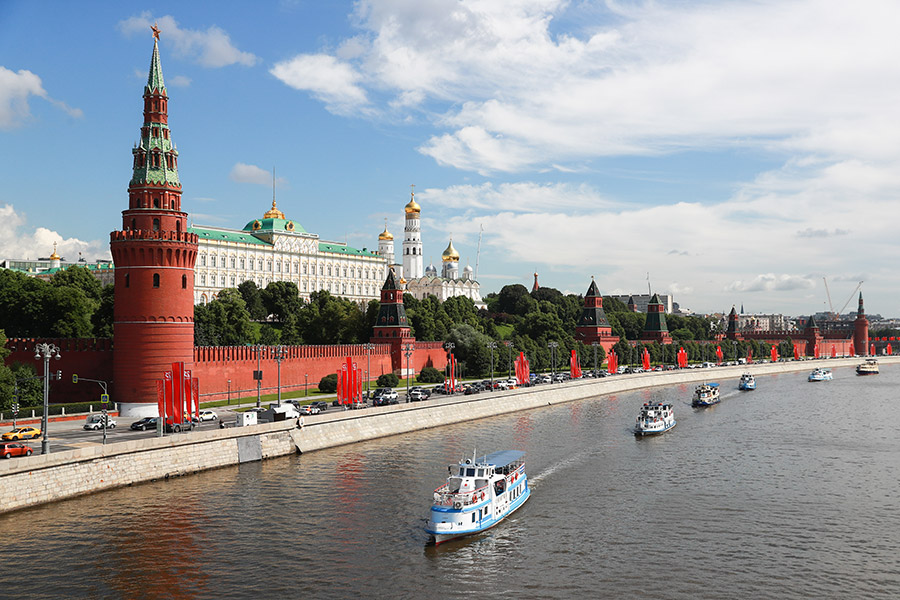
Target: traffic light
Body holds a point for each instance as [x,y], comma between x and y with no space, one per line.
[59,375]
[74,378]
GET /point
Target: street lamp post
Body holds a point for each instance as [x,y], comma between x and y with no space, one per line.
[229,392]
[553,346]
[407,352]
[280,354]
[369,348]
[509,347]
[306,385]
[450,346]
[46,351]
[492,346]
[258,375]
[595,345]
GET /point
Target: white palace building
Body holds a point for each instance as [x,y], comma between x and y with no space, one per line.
[276,248]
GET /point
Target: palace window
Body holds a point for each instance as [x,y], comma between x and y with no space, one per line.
[296,268]
[232,262]
[202,260]
[232,281]
[203,280]
[242,263]
[223,281]
[223,262]
[304,268]
[278,266]
[260,265]
[268,265]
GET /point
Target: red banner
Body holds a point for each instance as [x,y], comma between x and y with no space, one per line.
[833,351]
[645,360]
[796,353]
[774,353]
[872,350]
[612,362]
[888,350]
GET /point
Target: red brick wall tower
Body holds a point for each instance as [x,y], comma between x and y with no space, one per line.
[861,330]
[391,326]
[154,257]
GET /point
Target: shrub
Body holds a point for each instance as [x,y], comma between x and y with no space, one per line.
[387,380]
[431,375]
[328,384]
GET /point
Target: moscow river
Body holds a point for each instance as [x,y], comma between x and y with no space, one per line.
[789,491]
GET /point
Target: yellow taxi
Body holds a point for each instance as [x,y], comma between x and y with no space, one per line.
[22,433]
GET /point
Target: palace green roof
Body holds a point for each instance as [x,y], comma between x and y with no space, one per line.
[227,236]
[273,224]
[342,249]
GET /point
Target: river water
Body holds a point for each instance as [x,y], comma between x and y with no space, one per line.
[789,491]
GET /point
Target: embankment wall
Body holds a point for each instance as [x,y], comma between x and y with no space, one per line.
[46,478]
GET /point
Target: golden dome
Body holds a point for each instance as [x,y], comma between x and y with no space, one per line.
[385,235]
[450,254]
[402,281]
[55,256]
[413,207]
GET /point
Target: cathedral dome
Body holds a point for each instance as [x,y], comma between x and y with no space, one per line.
[413,207]
[431,270]
[469,269]
[450,254]
[385,235]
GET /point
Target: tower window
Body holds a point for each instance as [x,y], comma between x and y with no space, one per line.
[155,224]
[127,280]
[156,280]
[178,226]
[156,203]
[184,282]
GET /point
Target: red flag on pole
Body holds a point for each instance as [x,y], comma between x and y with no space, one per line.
[774,353]
[645,360]
[833,351]
[796,352]
[888,350]
[611,361]
[872,350]
[749,356]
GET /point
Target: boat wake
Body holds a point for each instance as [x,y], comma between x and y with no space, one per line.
[568,462]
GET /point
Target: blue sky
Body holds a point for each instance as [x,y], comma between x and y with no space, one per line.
[735,151]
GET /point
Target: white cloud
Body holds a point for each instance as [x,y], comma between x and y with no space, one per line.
[517,197]
[180,81]
[243,173]
[334,82]
[769,282]
[15,89]
[509,89]
[211,48]
[16,241]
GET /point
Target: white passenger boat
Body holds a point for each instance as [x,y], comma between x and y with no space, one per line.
[870,367]
[655,418]
[479,493]
[747,383]
[706,394]
[821,375]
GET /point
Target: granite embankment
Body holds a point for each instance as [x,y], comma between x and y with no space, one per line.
[46,478]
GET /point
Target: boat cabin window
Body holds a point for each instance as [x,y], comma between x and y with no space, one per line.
[480,472]
[470,472]
[454,485]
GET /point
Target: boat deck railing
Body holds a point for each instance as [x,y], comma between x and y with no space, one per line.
[444,497]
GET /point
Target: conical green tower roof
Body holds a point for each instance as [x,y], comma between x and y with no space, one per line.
[155,78]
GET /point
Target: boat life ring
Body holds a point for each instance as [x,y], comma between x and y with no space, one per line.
[482,495]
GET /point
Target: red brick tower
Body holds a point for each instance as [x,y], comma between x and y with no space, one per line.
[861,330]
[814,338]
[391,326]
[154,258]
[655,327]
[593,325]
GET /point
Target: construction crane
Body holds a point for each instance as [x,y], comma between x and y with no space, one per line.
[836,316]
[850,299]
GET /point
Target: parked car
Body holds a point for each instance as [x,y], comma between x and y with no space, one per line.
[179,427]
[206,415]
[357,405]
[308,409]
[385,393]
[500,384]
[21,433]
[417,395]
[10,449]
[546,379]
[321,405]
[144,424]
[472,389]
[95,422]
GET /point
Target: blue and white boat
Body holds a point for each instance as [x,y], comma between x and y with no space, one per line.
[747,382]
[706,394]
[821,375]
[479,493]
[654,419]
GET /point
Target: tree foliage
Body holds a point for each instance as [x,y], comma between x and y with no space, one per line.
[328,384]
[387,380]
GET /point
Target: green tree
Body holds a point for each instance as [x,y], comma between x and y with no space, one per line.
[79,278]
[387,380]
[103,317]
[430,375]
[282,298]
[328,384]
[253,298]
[509,296]
[224,322]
